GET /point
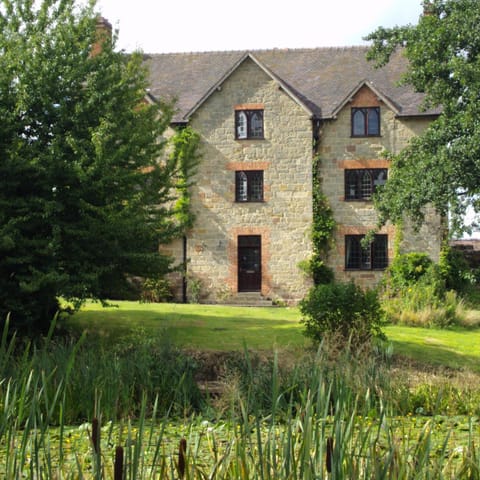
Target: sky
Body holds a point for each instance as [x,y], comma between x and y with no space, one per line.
[159,26]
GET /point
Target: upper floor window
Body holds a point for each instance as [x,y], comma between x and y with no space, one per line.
[373,257]
[361,183]
[248,124]
[366,122]
[249,186]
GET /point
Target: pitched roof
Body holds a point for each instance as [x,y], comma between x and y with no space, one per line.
[320,79]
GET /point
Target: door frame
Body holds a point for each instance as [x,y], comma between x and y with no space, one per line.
[249,281]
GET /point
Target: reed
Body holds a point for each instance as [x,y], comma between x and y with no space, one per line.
[323,420]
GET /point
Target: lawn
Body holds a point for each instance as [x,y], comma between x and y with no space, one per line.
[225,328]
[205,327]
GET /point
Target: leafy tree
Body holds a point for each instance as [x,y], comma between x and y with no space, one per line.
[84,199]
[442,166]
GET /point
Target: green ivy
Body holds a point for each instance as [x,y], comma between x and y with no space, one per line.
[322,231]
[185,150]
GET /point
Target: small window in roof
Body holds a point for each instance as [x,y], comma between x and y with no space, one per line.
[366,122]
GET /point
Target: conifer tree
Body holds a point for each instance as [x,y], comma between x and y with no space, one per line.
[84,199]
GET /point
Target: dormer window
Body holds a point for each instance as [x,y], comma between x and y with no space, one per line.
[366,122]
[248,124]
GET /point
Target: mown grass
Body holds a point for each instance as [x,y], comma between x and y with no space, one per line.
[456,348]
[205,327]
[227,328]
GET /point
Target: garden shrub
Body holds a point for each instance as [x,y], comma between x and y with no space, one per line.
[343,309]
[415,293]
[156,290]
[456,271]
[407,270]
[194,289]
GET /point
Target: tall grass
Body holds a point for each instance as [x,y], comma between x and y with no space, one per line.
[85,371]
[329,416]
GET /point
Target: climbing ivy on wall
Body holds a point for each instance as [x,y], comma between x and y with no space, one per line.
[186,152]
[322,231]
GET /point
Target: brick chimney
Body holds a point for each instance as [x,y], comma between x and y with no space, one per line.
[103,34]
[427,8]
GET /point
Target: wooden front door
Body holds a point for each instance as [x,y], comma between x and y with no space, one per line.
[249,263]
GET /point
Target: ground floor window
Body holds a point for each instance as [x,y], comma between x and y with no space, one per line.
[371,257]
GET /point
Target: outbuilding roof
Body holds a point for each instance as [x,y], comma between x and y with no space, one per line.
[322,80]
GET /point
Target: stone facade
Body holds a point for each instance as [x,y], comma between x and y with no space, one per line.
[271,235]
[282,220]
[339,151]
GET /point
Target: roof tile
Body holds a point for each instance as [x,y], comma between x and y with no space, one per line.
[321,78]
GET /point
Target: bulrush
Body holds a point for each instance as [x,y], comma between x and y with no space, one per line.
[182,450]
[118,465]
[96,435]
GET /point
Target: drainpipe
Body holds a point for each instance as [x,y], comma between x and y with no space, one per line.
[184,274]
[315,134]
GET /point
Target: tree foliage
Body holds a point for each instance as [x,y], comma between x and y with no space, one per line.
[84,199]
[442,166]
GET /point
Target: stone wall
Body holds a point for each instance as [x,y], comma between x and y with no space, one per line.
[339,150]
[283,219]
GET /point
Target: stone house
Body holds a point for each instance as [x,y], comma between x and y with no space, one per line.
[263,116]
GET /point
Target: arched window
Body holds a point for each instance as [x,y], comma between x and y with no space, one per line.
[358,123]
[366,122]
[249,186]
[241,187]
[366,185]
[241,126]
[373,121]
[256,124]
[248,124]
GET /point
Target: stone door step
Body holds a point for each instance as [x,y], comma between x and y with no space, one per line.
[250,299]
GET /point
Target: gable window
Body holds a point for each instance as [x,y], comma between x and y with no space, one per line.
[249,186]
[248,124]
[373,257]
[366,122]
[361,183]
